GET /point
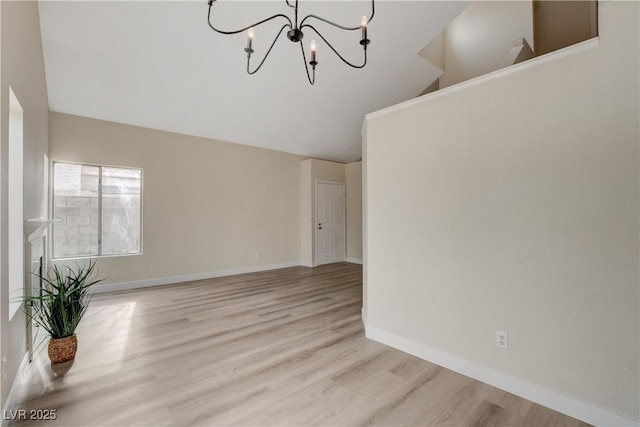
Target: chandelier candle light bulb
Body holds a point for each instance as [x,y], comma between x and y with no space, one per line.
[249,38]
[363,24]
[313,51]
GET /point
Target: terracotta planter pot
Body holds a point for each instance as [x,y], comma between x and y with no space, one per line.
[63,349]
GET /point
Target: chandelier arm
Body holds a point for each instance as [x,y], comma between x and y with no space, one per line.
[335,51]
[373,12]
[268,52]
[306,67]
[290,24]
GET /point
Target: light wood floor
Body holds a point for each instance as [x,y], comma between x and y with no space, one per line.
[284,347]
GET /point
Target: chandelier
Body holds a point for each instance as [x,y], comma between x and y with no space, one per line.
[295,33]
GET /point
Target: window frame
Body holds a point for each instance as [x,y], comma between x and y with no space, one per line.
[52,179]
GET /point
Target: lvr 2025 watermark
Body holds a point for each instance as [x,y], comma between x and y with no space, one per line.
[30,414]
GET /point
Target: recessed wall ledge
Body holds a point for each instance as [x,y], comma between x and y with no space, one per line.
[35,227]
[533,62]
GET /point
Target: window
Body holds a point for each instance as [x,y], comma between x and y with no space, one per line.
[99,208]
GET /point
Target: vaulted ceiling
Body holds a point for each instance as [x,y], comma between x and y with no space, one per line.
[159,65]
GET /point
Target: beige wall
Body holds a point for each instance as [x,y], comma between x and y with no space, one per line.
[523,220]
[306,214]
[353,177]
[312,170]
[208,206]
[22,69]
[558,24]
[479,39]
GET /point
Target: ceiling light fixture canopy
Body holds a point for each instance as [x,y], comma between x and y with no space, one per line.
[295,34]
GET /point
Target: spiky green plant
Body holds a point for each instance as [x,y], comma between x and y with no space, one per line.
[64,300]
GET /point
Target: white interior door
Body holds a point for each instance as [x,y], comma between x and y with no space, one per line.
[330,224]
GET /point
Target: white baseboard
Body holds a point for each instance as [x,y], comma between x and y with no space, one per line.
[364,318]
[15,387]
[123,286]
[354,260]
[307,264]
[530,391]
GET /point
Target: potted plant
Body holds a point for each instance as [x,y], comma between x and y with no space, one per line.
[61,305]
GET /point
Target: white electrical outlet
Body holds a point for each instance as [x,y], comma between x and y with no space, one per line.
[502,339]
[4,367]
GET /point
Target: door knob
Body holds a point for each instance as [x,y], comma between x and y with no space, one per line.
[320,226]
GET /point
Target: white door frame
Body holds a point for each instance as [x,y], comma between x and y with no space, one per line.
[344,221]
